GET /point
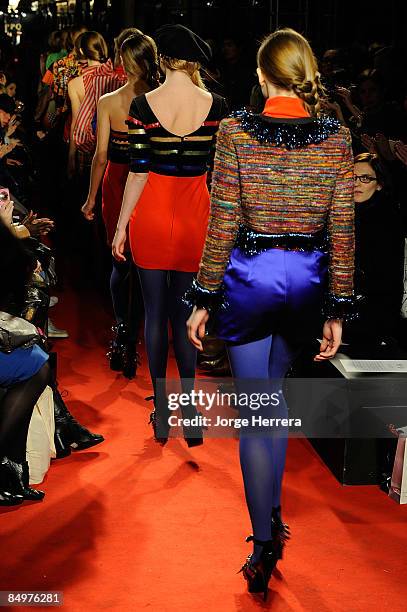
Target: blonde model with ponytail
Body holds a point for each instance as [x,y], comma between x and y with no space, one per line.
[138,55]
[278,264]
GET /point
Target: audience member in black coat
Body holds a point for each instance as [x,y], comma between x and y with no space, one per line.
[379,257]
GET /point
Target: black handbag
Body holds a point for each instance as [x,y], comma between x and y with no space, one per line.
[16,333]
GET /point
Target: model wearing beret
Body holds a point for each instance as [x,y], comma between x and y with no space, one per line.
[178,41]
[171,134]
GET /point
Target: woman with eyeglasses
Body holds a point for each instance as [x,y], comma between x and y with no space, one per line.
[379,271]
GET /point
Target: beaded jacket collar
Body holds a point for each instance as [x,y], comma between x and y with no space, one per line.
[293,133]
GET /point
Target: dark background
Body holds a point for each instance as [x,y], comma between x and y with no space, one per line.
[326,23]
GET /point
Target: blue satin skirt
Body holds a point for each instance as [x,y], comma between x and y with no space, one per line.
[276,291]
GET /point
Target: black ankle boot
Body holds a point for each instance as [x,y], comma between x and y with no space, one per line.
[258,573]
[70,433]
[19,480]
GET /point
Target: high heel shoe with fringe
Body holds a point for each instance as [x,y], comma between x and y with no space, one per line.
[280,531]
[258,574]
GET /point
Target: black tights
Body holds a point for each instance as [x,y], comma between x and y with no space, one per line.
[16,408]
[162,293]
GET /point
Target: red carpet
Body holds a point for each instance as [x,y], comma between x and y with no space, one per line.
[129,526]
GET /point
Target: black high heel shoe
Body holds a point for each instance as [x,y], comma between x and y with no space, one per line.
[258,574]
[159,421]
[193,433]
[280,531]
[131,361]
[18,476]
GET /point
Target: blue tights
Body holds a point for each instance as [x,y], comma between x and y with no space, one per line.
[262,458]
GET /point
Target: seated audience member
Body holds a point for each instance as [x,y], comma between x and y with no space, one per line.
[24,373]
[379,255]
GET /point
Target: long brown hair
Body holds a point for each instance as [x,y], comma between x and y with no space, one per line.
[92,46]
[119,40]
[140,58]
[286,59]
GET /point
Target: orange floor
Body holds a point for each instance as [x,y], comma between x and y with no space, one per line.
[128,526]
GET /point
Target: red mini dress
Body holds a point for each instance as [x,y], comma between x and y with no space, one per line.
[168,226]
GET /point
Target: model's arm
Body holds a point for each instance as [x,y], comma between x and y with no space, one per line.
[223,221]
[73,93]
[341,221]
[205,293]
[139,147]
[100,157]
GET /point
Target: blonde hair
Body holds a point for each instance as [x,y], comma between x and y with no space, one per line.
[191,68]
[286,59]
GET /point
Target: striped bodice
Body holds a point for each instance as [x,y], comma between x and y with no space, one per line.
[155,149]
[118,151]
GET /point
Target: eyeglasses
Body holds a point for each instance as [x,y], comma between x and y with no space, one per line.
[365,178]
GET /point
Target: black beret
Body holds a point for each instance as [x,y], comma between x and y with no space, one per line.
[179,42]
[7,104]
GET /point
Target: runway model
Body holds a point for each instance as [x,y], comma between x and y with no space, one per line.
[281,178]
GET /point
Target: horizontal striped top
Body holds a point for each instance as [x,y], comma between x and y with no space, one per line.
[155,149]
[118,151]
[279,188]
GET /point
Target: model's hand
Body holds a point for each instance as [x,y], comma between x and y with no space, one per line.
[87,209]
[196,326]
[331,340]
[118,243]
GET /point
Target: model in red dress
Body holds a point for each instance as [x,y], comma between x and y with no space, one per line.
[172,136]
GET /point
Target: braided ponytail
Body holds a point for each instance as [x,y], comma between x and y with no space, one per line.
[310,92]
[287,60]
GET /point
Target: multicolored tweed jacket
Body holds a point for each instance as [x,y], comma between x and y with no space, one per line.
[285,177]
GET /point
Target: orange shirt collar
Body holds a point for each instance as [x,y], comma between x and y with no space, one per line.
[285,107]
